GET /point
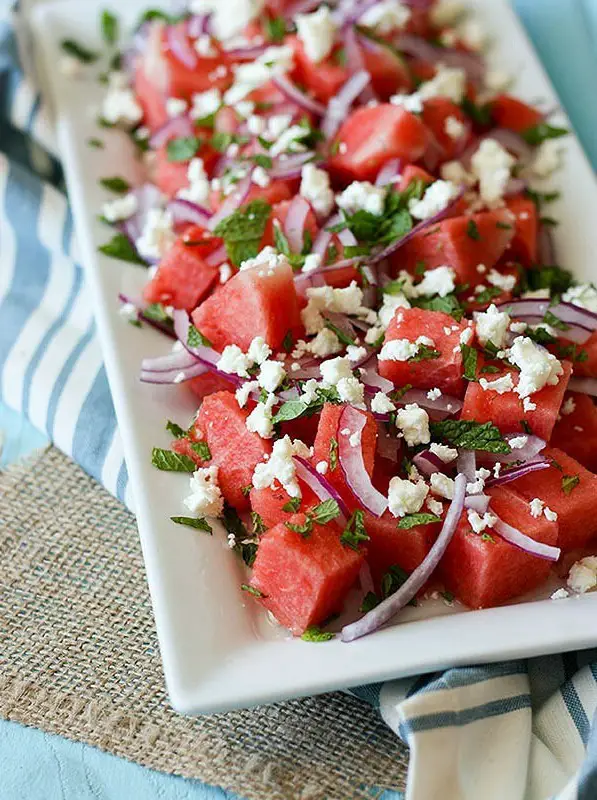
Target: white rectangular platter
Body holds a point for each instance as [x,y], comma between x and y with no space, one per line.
[217,649]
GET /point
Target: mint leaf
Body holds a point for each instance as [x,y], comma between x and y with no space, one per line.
[303,529]
[157,313]
[252,590]
[370,601]
[354,533]
[333,455]
[469,362]
[194,522]
[554,322]
[344,338]
[243,231]
[274,29]
[470,435]
[175,430]
[115,184]
[326,511]
[487,295]
[315,634]
[480,114]
[257,523]
[472,231]
[412,520]
[202,450]
[245,547]
[292,505]
[196,339]
[169,461]
[120,247]
[262,160]
[291,409]
[540,198]
[569,483]
[556,279]
[78,51]
[183,148]
[541,132]
[109,26]
[96,143]
[425,353]
[448,305]
[280,240]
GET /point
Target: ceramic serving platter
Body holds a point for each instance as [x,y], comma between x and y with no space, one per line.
[219,650]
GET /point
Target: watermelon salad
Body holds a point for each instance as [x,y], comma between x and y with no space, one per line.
[346,224]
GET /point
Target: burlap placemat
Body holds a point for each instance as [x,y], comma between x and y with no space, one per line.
[79,657]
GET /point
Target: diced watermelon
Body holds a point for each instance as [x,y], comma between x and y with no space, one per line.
[390,545]
[254,302]
[209,73]
[507,411]
[524,244]
[269,503]
[151,100]
[486,291]
[444,372]
[208,383]
[371,136]
[508,112]
[324,449]
[587,368]
[412,173]
[575,503]
[171,176]
[184,277]
[436,112]
[389,72]
[304,580]
[276,192]
[576,433]
[324,79]
[450,242]
[484,570]
[235,450]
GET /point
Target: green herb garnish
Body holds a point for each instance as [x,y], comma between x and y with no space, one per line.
[183,148]
[541,132]
[199,523]
[175,430]
[195,338]
[315,634]
[202,450]
[115,184]
[470,435]
[243,231]
[109,27]
[412,520]
[120,247]
[469,362]
[569,483]
[169,461]
[354,533]
[78,51]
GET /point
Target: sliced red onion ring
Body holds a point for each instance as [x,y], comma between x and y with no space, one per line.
[513,473]
[232,202]
[574,333]
[217,257]
[512,142]
[180,359]
[389,173]
[301,7]
[320,485]
[343,323]
[445,403]
[584,386]
[356,64]
[387,446]
[428,463]
[294,225]
[198,25]
[374,383]
[567,312]
[140,305]
[207,355]
[322,242]
[340,104]
[347,238]
[419,48]
[417,579]
[174,376]
[353,466]
[357,11]
[178,42]
[523,542]
[477,502]
[171,129]
[247,53]
[186,211]
[467,464]
[531,449]
[291,166]
[294,94]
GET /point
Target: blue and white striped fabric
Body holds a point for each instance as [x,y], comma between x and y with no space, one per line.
[520,730]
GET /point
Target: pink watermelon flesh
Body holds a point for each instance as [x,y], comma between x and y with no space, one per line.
[576,433]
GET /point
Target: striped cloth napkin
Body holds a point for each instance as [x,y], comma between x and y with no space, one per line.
[520,729]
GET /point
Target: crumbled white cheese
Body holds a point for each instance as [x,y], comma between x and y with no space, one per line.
[260,177]
[268,258]
[548,158]
[435,506]
[355,353]
[175,106]
[440,280]
[582,576]
[413,422]
[120,107]
[500,385]
[560,594]
[325,298]
[492,326]
[317,32]
[334,370]
[289,141]
[350,390]
[276,125]
[204,46]
[362,196]
[271,375]
[406,497]
[325,344]
[260,419]
[497,80]
[225,272]
[309,394]
[528,405]
[398,350]
[386,16]
[446,12]
[518,442]
[434,394]
[550,515]
[312,261]
[443,452]
[256,125]
[492,164]
[233,361]
[120,208]
[316,188]
[518,327]
[455,128]
[583,295]
[243,392]
[205,498]
[228,17]
[479,523]
[322,467]
[472,34]
[381,404]
[568,406]
[251,75]
[410,102]
[373,334]
[448,82]
[389,305]
[454,172]
[198,188]
[538,367]
[442,485]
[280,466]
[504,282]
[436,198]
[157,236]
[536,506]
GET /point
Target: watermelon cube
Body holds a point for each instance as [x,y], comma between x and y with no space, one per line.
[508,112]
[209,383]
[436,113]
[304,580]
[260,301]
[576,432]
[588,367]
[412,173]
[507,410]
[574,501]
[444,372]
[269,503]
[483,570]
[235,450]
[324,79]
[184,277]
[371,136]
[391,546]
[325,449]
[461,242]
[524,244]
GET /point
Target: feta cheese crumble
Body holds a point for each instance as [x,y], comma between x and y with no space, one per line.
[492,165]
[205,498]
[500,385]
[259,350]
[448,82]
[504,282]
[548,158]
[398,350]
[243,393]
[229,17]
[436,198]
[316,188]
[492,326]
[271,375]
[175,106]
[583,575]
[198,189]
[406,497]
[444,453]
[280,466]
[454,128]
[335,370]
[120,208]
[325,344]
[583,295]
[568,406]
[386,16]
[381,404]
[362,196]
[260,419]
[413,422]
[233,361]
[440,280]
[538,367]
[479,523]
[410,102]
[442,485]
[317,32]
[157,235]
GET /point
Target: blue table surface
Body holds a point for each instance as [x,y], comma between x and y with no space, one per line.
[40,766]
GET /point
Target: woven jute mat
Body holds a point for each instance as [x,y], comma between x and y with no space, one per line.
[79,657]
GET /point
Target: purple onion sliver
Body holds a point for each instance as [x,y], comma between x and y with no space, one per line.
[187,211]
[173,376]
[293,93]
[232,202]
[428,463]
[174,360]
[513,473]
[584,386]
[467,464]
[294,225]
[171,129]
[176,36]
[477,502]
[417,579]
[389,172]
[353,467]
[319,484]
[525,543]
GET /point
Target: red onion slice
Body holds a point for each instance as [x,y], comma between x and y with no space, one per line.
[374,383]
[171,361]
[417,579]
[421,49]
[232,202]
[356,64]
[294,94]
[467,464]
[182,324]
[322,242]
[353,466]
[301,7]
[320,486]
[198,25]
[389,173]
[174,128]
[387,446]
[428,463]
[291,166]
[339,105]
[513,142]
[217,257]
[445,404]
[523,542]
[294,225]
[141,305]
[187,211]
[477,502]
[178,42]
[567,312]
[513,473]
[546,249]
[584,386]
[174,376]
